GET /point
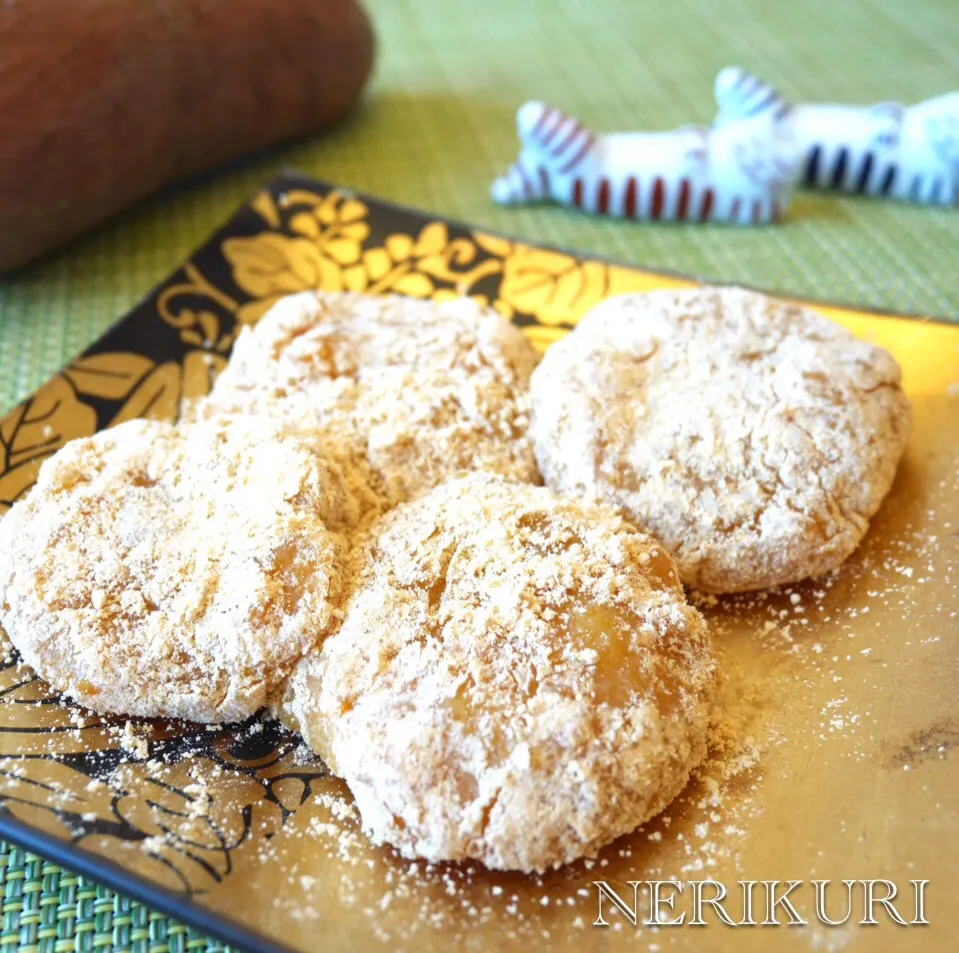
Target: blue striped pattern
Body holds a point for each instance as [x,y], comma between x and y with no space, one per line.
[838,171]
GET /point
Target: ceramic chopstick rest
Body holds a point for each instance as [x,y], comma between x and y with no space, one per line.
[886,150]
[740,172]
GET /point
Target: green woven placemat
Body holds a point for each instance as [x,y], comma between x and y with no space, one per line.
[46,909]
[436,127]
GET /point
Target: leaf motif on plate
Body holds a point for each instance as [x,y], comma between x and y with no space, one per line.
[200,311]
[33,784]
[270,266]
[542,336]
[36,720]
[335,211]
[494,245]
[558,289]
[29,705]
[109,376]
[155,862]
[36,430]
[186,821]
[186,868]
[551,286]
[156,397]
[321,249]
[265,206]
[42,806]
[195,813]
[428,265]
[200,370]
[177,802]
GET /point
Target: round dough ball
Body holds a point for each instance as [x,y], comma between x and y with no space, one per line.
[175,572]
[518,680]
[753,438]
[407,392]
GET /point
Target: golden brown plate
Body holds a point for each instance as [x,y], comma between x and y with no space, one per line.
[838,755]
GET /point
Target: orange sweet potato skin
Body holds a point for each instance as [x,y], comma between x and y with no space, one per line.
[103,101]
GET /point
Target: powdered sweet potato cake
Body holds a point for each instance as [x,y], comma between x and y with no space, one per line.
[172,571]
[754,439]
[518,678]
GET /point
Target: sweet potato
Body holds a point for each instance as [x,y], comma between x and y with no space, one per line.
[103,101]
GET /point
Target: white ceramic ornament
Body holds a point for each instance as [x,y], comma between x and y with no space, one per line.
[886,150]
[740,172]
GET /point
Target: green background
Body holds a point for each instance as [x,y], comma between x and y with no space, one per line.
[433,130]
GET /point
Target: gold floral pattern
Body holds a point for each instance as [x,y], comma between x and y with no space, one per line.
[326,239]
[62,410]
[321,246]
[219,794]
[36,430]
[198,326]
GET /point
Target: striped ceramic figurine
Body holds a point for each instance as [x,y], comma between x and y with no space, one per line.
[886,150]
[740,172]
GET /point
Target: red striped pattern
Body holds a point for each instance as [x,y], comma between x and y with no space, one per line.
[656,206]
[560,146]
[544,116]
[575,130]
[683,205]
[629,204]
[706,208]
[581,154]
[691,200]
[602,199]
[554,127]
